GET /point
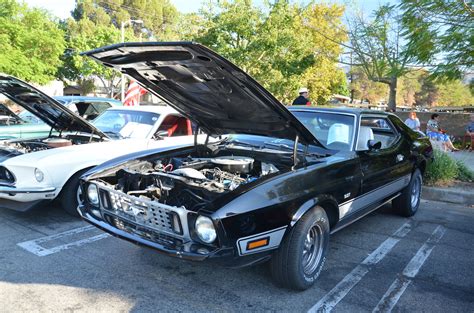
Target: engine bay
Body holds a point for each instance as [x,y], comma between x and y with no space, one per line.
[13,148]
[192,182]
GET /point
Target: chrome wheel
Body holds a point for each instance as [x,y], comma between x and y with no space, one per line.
[415,192]
[79,196]
[313,249]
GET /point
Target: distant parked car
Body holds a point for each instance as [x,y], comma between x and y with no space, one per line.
[46,168]
[28,125]
[87,107]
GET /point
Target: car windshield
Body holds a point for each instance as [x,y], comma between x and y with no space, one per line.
[332,130]
[126,124]
[30,118]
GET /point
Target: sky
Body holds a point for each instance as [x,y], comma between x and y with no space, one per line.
[62,8]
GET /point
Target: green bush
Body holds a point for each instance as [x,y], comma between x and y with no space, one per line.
[442,171]
[464,173]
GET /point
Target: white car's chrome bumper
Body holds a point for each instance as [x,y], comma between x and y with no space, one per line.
[26,198]
[14,190]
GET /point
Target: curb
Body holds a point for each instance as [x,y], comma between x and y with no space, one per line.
[448,195]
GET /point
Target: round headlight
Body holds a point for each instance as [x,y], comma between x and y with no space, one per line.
[39,175]
[93,194]
[205,229]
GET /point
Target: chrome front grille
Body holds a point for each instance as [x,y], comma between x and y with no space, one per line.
[141,212]
[147,215]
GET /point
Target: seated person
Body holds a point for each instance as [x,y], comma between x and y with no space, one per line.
[413,122]
[435,133]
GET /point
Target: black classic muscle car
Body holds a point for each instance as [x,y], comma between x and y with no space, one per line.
[274,187]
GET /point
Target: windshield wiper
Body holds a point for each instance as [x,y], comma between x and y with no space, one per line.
[239,143]
[290,148]
[281,146]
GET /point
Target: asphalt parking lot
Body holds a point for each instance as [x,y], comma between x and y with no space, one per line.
[53,262]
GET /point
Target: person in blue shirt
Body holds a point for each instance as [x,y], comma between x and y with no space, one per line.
[436,133]
[413,122]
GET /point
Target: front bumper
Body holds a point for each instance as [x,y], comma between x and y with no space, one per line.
[13,190]
[149,223]
[24,199]
[174,248]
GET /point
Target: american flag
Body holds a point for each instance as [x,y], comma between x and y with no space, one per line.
[134,91]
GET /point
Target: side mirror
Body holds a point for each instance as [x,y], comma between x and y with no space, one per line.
[161,134]
[374,145]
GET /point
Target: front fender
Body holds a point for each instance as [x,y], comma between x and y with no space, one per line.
[328,202]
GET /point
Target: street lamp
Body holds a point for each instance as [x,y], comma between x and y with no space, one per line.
[122,29]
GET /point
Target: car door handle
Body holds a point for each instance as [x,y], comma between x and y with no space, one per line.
[400,157]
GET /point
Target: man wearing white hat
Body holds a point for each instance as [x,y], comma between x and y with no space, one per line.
[303,97]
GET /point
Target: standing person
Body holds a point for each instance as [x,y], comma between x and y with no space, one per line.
[435,133]
[303,98]
[413,122]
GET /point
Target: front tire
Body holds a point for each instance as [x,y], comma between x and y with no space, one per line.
[301,256]
[71,194]
[408,202]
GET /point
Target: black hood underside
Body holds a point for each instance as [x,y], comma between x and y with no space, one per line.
[205,87]
[44,107]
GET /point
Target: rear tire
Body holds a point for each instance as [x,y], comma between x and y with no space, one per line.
[301,256]
[408,202]
[71,195]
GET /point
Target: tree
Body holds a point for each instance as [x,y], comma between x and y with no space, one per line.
[409,84]
[83,35]
[31,42]
[159,16]
[366,89]
[380,49]
[441,34]
[97,23]
[273,44]
[428,95]
[454,93]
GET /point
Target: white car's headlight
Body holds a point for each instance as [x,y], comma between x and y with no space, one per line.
[39,175]
[205,229]
[93,194]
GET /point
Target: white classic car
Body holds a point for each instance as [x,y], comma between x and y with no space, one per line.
[43,169]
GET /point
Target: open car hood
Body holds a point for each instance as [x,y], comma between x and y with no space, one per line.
[205,87]
[44,107]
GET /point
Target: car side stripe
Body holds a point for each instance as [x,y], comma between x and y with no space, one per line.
[372,196]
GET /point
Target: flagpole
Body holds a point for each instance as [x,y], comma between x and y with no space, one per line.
[122,31]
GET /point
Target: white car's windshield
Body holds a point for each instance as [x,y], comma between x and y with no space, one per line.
[126,124]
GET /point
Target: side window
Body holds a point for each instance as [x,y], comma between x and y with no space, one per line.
[378,129]
[176,126]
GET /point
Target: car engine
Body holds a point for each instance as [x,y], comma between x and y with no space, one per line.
[12,148]
[190,182]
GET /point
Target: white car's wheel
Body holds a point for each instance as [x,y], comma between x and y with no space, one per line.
[71,194]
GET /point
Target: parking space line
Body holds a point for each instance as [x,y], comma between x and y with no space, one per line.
[398,287]
[34,246]
[333,297]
